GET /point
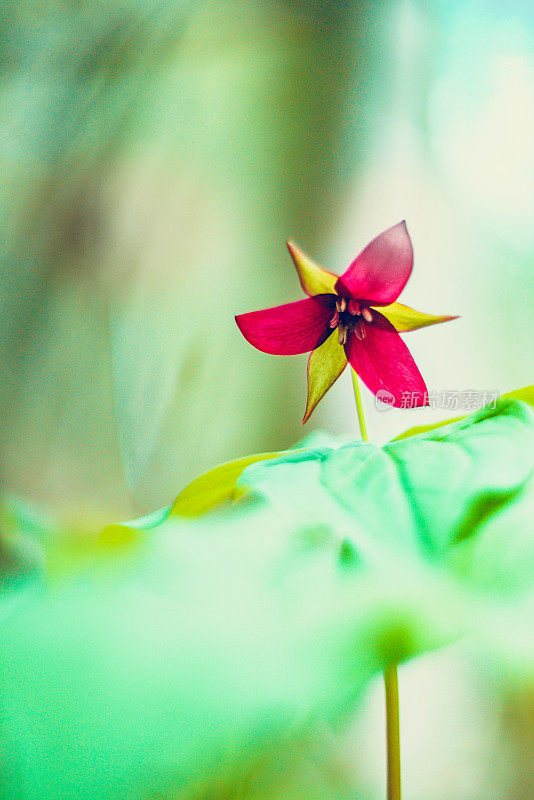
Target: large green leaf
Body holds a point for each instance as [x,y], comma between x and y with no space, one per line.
[222,646]
[426,491]
[457,500]
[221,642]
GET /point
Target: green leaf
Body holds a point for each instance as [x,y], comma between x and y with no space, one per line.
[500,557]
[460,474]
[455,500]
[220,484]
[36,546]
[213,487]
[526,394]
[429,491]
[220,650]
[147,522]
[222,641]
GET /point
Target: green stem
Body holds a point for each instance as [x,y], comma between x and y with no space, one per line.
[390,673]
[359,406]
[392,732]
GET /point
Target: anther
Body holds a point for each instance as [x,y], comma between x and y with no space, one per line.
[354,308]
[367,314]
[334,321]
[359,330]
[341,305]
[342,334]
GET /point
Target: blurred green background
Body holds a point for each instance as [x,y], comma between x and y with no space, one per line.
[156,156]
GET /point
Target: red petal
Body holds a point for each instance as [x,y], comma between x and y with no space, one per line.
[385,365]
[379,274]
[289,329]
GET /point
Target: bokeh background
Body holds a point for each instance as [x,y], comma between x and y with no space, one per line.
[155,157]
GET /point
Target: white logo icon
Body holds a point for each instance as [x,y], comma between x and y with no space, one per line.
[384,399]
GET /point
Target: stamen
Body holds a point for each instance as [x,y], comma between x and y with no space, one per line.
[367,314]
[341,305]
[354,308]
[359,330]
[342,334]
[335,320]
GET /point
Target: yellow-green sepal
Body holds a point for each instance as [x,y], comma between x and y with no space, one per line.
[216,486]
[313,279]
[325,365]
[403,318]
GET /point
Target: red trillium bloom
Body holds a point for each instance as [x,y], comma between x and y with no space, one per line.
[350,319]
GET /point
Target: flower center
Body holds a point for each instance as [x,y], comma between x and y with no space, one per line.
[350,317]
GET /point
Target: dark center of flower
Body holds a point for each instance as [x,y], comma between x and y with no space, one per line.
[350,317]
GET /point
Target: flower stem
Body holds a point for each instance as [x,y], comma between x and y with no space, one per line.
[390,673]
[359,406]
[392,732]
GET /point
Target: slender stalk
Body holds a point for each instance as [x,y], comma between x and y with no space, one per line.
[359,406]
[392,732]
[390,673]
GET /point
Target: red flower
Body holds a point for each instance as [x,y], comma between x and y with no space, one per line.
[353,318]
